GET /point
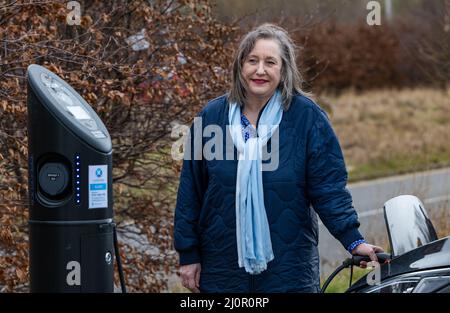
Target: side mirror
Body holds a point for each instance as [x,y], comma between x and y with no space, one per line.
[407,224]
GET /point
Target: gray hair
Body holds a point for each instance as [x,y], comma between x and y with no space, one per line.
[291,79]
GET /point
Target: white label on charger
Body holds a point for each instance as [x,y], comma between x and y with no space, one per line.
[98,186]
[78,112]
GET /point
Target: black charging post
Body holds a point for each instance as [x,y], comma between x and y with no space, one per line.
[71,228]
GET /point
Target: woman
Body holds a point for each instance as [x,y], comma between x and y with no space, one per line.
[241,227]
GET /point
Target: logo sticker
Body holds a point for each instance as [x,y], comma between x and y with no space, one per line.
[98,186]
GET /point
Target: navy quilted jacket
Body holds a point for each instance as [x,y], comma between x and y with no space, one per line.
[311,177]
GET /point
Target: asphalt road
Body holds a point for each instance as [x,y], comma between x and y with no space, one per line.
[432,188]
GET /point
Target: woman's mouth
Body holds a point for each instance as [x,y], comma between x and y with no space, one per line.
[259,81]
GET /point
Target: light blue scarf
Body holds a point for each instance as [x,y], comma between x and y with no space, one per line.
[252,228]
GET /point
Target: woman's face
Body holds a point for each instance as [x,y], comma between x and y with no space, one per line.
[262,69]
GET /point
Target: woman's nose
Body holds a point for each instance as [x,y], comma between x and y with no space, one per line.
[260,70]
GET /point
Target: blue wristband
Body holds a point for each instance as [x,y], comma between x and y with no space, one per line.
[354,244]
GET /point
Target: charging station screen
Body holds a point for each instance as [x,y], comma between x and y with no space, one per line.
[78,112]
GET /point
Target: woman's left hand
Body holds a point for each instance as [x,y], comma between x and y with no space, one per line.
[369,250]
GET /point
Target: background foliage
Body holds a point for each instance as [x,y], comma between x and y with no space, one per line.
[142,94]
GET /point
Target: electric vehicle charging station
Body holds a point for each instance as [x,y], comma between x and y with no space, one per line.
[71,227]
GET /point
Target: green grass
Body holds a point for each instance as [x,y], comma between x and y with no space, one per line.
[400,164]
[340,283]
[391,132]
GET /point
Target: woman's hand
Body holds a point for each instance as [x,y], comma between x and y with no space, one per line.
[190,276]
[369,250]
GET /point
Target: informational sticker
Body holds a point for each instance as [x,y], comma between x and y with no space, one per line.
[98,186]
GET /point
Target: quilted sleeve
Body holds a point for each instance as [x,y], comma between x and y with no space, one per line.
[189,200]
[327,180]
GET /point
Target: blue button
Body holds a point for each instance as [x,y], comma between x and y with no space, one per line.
[97,186]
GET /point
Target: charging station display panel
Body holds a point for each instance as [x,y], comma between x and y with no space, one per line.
[78,112]
[69,107]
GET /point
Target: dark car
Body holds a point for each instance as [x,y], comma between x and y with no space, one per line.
[419,261]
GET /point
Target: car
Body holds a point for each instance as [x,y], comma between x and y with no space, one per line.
[419,262]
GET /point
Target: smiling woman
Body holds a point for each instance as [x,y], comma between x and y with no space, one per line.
[244,227]
[261,73]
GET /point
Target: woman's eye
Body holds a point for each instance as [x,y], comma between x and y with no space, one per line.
[252,61]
